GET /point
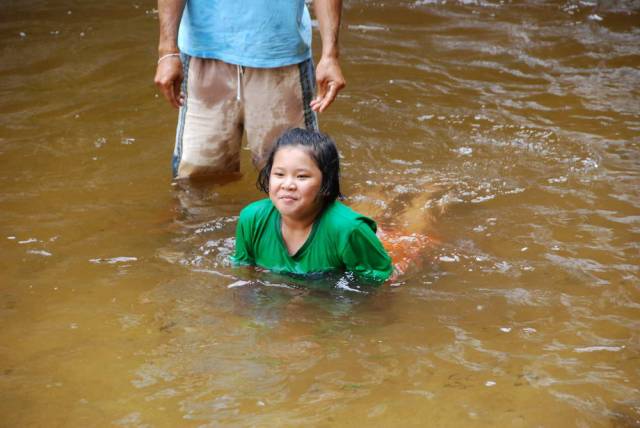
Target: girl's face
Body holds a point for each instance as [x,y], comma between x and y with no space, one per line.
[294,184]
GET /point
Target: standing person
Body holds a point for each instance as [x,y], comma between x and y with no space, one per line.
[242,65]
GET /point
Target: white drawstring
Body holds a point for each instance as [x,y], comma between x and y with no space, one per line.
[240,73]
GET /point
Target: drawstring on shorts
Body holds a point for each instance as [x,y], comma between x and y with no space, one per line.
[240,71]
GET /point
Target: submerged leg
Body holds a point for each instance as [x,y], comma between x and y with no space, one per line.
[423,210]
[413,233]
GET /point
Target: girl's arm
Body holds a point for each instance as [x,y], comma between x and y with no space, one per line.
[243,254]
[365,256]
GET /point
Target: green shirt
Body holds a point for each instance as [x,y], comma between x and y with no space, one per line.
[341,239]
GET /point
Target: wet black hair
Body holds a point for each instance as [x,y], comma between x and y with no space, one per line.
[322,150]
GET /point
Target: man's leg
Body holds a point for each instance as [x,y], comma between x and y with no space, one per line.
[276,99]
[209,129]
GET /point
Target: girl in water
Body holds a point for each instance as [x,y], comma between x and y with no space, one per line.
[302,228]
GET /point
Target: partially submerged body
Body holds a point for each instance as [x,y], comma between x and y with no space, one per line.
[303,230]
[340,239]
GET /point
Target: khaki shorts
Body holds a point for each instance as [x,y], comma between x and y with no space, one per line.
[224,100]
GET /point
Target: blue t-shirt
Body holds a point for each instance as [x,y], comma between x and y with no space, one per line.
[253,33]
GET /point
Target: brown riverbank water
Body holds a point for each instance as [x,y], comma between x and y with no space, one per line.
[117,307]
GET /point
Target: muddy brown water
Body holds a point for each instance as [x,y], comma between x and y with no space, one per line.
[117,306]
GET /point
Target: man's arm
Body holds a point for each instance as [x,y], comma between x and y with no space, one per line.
[169,73]
[328,73]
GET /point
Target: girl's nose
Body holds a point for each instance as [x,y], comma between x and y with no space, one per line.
[288,183]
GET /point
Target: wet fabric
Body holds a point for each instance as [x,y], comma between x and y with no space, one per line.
[223,100]
[253,33]
[341,239]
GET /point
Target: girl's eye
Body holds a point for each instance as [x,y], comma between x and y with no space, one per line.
[303,176]
[278,174]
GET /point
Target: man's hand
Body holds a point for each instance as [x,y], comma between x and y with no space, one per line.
[169,72]
[329,76]
[168,79]
[330,81]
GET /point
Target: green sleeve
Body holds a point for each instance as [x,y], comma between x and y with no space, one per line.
[244,242]
[365,256]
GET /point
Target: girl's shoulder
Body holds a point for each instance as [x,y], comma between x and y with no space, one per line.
[260,208]
[345,220]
